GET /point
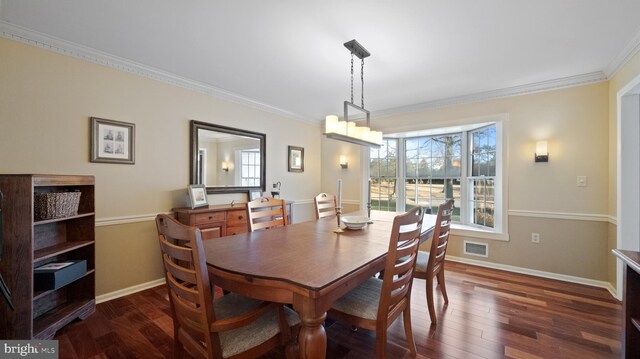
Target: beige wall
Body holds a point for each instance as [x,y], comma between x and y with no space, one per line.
[575,122]
[46,100]
[626,74]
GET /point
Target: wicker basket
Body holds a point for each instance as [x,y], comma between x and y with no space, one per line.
[49,205]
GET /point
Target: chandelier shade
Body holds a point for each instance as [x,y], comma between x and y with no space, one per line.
[346,130]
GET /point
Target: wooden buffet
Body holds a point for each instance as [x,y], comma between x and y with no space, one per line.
[218,220]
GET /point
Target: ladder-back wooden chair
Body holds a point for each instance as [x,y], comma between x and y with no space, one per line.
[377,303]
[232,326]
[266,212]
[325,205]
[430,264]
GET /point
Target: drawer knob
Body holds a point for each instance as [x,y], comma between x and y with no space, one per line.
[210,217]
[240,217]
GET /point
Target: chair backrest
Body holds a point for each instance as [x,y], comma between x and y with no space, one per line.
[440,238]
[189,287]
[401,261]
[325,205]
[266,212]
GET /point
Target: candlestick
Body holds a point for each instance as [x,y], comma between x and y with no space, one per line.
[340,193]
[339,207]
[369,203]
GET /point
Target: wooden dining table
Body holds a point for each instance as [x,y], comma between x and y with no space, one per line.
[306,264]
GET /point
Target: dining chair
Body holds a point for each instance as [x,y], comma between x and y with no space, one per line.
[377,303]
[231,326]
[325,205]
[266,212]
[430,264]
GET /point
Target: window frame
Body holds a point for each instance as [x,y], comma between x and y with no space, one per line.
[500,230]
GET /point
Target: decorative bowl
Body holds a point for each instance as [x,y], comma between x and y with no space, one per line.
[355,222]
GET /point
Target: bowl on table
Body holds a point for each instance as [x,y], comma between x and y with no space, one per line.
[355,222]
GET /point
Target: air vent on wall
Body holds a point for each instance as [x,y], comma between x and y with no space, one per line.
[476,249]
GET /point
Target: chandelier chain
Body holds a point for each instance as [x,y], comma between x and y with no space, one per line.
[352,77]
[362,82]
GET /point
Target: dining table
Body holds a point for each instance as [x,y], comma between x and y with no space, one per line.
[307,265]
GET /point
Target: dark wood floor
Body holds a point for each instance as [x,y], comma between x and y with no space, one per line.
[491,314]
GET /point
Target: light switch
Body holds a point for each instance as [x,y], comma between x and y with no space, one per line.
[581,181]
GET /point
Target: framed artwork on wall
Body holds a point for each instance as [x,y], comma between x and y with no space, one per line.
[112,141]
[296,159]
[198,195]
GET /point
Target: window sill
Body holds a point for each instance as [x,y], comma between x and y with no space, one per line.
[462,230]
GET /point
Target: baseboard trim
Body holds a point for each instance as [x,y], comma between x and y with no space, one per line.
[612,290]
[534,272]
[129,290]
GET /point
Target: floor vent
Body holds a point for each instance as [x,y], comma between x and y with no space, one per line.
[476,249]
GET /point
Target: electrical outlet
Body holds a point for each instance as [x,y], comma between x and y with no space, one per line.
[535,237]
[581,181]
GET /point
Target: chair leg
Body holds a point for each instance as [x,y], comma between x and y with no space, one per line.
[443,287]
[381,344]
[178,350]
[430,305]
[408,331]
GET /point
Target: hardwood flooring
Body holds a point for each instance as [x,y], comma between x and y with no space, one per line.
[491,314]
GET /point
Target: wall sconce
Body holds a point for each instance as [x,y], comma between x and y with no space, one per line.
[225,166]
[343,162]
[542,153]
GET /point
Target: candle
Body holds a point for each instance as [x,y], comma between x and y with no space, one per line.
[340,193]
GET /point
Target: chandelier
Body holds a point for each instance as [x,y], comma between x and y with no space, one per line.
[347,130]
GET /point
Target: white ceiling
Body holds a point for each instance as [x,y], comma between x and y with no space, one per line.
[289,54]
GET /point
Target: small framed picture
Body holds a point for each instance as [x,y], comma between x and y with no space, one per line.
[296,159]
[253,194]
[112,141]
[198,195]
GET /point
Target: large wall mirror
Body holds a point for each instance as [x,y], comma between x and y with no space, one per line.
[227,159]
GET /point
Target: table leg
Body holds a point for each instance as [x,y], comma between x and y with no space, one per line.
[312,337]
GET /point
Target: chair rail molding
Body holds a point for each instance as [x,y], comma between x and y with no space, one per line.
[563,215]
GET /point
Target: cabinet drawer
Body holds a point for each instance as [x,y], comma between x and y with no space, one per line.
[209,233]
[204,218]
[236,229]
[235,218]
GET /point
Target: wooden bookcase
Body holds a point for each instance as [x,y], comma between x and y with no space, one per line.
[631,303]
[29,244]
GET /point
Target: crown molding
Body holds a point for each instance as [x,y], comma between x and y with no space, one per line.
[34,38]
[549,85]
[623,57]
[47,42]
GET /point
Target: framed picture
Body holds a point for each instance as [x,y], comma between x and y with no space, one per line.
[296,159]
[253,194]
[112,141]
[198,195]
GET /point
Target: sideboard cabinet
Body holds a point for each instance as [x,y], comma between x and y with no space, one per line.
[218,220]
[29,243]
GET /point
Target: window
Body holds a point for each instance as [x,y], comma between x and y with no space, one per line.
[250,164]
[432,171]
[460,163]
[482,179]
[384,175]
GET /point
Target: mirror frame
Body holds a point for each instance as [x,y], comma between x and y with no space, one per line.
[197,125]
